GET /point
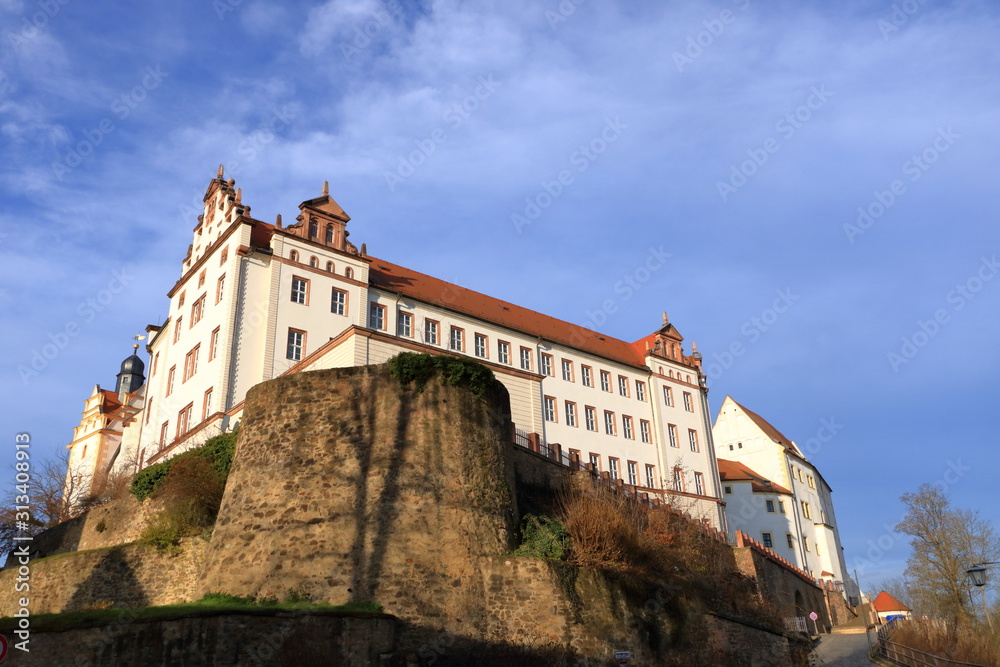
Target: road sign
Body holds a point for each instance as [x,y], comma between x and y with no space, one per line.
[813,615]
[623,655]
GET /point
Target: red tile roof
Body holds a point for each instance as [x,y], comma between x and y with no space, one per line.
[884,602]
[770,431]
[734,471]
[394,278]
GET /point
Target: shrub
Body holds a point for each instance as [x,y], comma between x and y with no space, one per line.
[606,530]
[191,493]
[543,537]
[101,526]
[410,367]
[217,451]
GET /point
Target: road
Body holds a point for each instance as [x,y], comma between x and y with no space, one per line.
[842,651]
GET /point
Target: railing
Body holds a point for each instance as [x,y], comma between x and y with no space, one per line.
[910,657]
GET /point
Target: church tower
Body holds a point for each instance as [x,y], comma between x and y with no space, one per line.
[131,377]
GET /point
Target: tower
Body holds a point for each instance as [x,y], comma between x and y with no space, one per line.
[131,377]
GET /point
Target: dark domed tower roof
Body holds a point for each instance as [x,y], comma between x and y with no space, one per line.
[131,376]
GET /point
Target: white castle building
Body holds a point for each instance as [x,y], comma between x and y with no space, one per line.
[775,495]
[256,300]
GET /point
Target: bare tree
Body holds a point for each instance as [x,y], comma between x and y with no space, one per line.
[945,542]
[49,493]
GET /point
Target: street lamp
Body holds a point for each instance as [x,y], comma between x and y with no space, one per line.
[977,577]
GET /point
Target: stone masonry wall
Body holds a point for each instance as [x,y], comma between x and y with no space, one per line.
[787,590]
[353,489]
[124,576]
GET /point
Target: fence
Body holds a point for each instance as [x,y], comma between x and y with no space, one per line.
[909,657]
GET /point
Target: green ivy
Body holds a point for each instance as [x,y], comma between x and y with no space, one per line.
[543,537]
[218,451]
[410,367]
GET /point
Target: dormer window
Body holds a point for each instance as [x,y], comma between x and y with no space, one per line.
[313,229]
[329,234]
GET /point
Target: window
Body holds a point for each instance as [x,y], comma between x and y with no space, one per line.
[197,310]
[430,332]
[313,228]
[812,482]
[404,325]
[728,490]
[376,316]
[672,430]
[765,539]
[644,430]
[163,434]
[609,422]
[605,381]
[678,480]
[590,415]
[314,262]
[622,386]
[781,506]
[627,427]
[633,473]
[668,396]
[770,505]
[574,458]
[688,405]
[613,467]
[587,374]
[177,329]
[349,272]
[300,290]
[790,540]
[805,543]
[545,365]
[149,409]
[329,267]
[805,511]
[296,344]
[184,420]
[595,460]
[191,363]
[800,475]
[329,233]
[156,362]
[525,359]
[213,344]
[170,379]
[699,483]
[650,477]
[220,288]
[294,256]
[816,546]
[456,340]
[567,370]
[640,390]
[693,439]
[570,414]
[201,278]
[180,300]
[480,345]
[338,302]
[503,352]
[549,408]
[224,256]
[206,406]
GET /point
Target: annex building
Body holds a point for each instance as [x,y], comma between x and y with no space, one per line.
[256,300]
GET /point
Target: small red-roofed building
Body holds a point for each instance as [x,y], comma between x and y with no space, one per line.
[887,607]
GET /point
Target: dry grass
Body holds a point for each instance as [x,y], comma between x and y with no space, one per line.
[973,644]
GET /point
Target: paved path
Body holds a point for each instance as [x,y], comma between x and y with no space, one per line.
[842,651]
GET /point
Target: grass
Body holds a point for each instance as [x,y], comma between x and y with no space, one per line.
[963,644]
[205,607]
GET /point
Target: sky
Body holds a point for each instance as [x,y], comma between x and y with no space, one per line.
[805,187]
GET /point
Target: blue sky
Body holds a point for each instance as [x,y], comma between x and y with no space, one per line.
[821,175]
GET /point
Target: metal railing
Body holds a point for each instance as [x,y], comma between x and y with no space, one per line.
[910,657]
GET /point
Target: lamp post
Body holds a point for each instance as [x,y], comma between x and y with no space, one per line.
[977,577]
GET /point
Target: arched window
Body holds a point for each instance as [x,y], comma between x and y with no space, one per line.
[349,272]
[313,228]
[329,267]
[329,233]
[313,262]
[294,256]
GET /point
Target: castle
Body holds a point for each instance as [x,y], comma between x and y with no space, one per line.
[258,300]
